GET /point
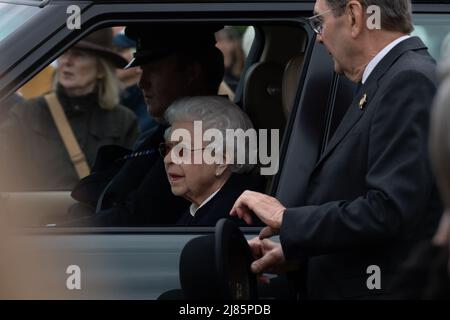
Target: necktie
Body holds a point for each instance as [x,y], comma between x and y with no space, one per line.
[357,88]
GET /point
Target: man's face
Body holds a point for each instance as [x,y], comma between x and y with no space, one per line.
[333,35]
[162,82]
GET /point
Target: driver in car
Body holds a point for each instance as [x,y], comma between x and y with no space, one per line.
[126,188]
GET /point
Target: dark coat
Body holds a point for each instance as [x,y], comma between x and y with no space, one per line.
[33,150]
[219,206]
[371,196]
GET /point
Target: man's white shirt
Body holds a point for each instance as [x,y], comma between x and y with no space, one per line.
[376,60]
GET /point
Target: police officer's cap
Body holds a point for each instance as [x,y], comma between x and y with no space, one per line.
[154,42]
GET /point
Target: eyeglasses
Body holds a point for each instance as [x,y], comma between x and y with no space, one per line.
[316,22]
[166,147]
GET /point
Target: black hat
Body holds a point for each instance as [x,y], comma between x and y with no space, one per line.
[100,42]
[218,266]
[156,42]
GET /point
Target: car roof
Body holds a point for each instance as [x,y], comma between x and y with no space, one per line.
[197,1]
[229,1]
[221,1]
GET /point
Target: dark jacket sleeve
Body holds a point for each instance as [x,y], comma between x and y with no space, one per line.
[398,179]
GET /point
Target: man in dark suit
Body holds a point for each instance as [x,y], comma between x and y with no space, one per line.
[371,195]
[127,189]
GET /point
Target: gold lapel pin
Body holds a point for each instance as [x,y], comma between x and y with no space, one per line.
[363,101]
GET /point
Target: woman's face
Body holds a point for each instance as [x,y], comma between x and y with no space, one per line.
[78,72]
[194,182]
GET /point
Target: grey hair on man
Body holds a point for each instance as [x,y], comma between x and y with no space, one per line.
[218,113]
[396,15]
[440,133]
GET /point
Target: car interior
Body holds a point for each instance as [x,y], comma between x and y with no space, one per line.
[266,91]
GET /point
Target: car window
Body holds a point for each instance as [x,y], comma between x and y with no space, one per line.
[434,30]
[18,129]
[12,16]
[254,81]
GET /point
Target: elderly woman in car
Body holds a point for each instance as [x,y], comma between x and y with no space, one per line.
[200,171]
[33,152]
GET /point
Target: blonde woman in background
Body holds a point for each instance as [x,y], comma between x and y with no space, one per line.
[33,155]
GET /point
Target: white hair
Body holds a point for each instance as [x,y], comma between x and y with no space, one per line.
[215,112]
